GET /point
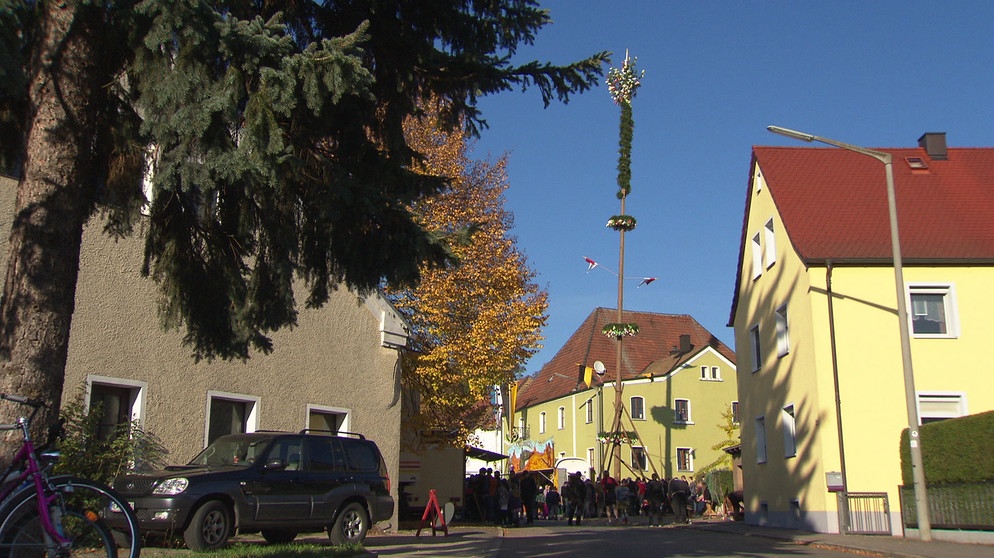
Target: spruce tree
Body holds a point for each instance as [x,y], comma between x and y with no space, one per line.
[275,144]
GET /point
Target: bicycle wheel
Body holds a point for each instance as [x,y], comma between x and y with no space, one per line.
[99,500]
[25,537]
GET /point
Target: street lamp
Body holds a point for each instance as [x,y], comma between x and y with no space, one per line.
[911,401]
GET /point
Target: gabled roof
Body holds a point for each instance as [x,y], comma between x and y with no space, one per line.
[832,204]
[657,344]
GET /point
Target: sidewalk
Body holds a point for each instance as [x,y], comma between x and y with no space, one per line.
[483,541]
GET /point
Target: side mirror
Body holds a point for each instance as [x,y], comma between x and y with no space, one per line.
[276,464]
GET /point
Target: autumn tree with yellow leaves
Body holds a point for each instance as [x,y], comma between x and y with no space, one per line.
[475,323]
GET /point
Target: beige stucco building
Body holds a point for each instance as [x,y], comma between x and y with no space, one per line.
[338,369]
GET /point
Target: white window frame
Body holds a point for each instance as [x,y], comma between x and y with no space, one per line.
[945,399]
[326,410]
[757,256]
[716,374]
[756,348]
[590,458]
[251,416]
[590,411]
[760,436]
[789,419]
[783,332]
[770,251]
[704,372]
[949,307]
[690,460]
[736,419]
[140,389]
[631,404]
[561,418]
[690,416]
[541,422]
[643,464]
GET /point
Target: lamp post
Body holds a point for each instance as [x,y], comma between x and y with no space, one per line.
[911,401]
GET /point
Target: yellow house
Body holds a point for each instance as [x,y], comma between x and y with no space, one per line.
[821,384]
[677,379]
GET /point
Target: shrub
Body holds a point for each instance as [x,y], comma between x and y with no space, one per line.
[954,450]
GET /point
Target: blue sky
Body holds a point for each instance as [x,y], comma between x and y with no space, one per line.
[874,73]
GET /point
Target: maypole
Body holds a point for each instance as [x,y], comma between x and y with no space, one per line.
[622,85]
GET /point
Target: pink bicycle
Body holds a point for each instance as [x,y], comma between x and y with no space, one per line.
[60,516]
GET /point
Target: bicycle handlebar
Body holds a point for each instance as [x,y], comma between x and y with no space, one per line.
[36,403]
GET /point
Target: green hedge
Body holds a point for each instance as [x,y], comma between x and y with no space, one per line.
[953,451]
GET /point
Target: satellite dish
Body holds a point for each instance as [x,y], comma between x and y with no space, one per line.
[599,368]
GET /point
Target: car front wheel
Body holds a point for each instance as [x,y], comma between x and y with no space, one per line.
[209,527]
[350,526]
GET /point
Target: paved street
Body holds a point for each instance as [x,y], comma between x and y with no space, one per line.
[596,539]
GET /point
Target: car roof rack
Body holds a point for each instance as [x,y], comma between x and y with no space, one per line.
[339,433]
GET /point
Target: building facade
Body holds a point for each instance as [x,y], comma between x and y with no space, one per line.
[821,383]
[336,370]
[677,382]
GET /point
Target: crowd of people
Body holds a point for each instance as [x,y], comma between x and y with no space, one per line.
[526,496]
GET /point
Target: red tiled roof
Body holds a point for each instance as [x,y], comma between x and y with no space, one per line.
[659,335]
[833,203]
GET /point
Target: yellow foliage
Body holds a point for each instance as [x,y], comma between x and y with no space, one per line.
[478,322]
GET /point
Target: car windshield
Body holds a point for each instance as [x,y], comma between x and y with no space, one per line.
[239,450]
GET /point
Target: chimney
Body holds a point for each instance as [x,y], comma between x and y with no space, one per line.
[685,345]
[934,144]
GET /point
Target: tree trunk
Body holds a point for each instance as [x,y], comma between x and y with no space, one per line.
[54,200]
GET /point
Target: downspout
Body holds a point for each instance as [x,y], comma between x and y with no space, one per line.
[844,500]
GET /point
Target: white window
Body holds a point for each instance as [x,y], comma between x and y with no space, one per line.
[757,357]
[640,461]
[716,373]
[933,407]
[783,333]
[590,458]
[684,459]
[761,440]
[771,245]
[590,411]
[328,419]
[735,412]
[757,257]
[230,413]
[541,423]
[121,403]
[789,432]
[711,373]
[681,411]
[638,408]
[704,372]
[933,310]
[562,418]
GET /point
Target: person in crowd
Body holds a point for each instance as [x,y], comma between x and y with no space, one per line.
[575,493]
[504,500]
[541,508]
[654,490]
[679,490]
[553,500]
[606,488]
[703,501]
[623,494]
[593,506]
[529,489]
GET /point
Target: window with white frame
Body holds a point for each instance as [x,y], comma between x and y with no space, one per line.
[327,419]
[770,250]
[230,413]
[681,411]
[561,418]
[933,407]
[711,373]
[716,373]
[120,403]
[590,411]
[638,408]
[735,412]
[933,310]
[783,333]
[684,459]
[541,423]
[761,440]
[590,457]
[640,461]
[757,257]
[789,431]
[704,372]
[754,342]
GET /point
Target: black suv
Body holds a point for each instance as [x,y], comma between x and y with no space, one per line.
[278,483]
